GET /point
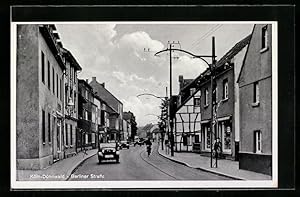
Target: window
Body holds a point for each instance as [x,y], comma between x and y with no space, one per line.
[206,97]
[61,89]
[86,138]
[226,128]
[53,80]
[57,85]
[207,138]
[89,116]
[257,141]
[184,140]
[49,127]
[71,135]
[43,127]
[196,101]
[264,37]
[86,95]
[66,95]
[197,139]
[67,134]
[49,76]
[255,93]
[86,115]
[89,138]
[43,67]
[225,89]
[102,118]
[71,73]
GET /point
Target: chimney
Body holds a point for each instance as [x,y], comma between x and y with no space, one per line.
[103,84]
[93,78]
[87,80]
[180,81]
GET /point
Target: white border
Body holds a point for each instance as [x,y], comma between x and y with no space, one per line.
[148,184]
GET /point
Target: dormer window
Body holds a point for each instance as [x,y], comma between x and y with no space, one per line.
[225,89]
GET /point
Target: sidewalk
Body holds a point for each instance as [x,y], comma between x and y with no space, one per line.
[59,171]
[226,168]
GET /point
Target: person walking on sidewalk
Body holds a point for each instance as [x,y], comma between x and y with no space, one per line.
[84,150]
[217,148]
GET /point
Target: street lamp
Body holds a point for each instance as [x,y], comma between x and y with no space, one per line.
[211,67]
[164,100]
[148,94]
[152,115]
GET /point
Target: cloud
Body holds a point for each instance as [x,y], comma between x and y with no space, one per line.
[142,109]
[189,67]
[139,40]
[129,55]
[127,70]
[91,44]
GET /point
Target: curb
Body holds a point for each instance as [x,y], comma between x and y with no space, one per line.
[203,169]
[77,165]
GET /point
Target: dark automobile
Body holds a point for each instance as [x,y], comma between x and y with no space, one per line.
[124,144]
[108,151]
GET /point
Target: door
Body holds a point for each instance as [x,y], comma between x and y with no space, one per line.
[226,137]
[58,138]
[54,139]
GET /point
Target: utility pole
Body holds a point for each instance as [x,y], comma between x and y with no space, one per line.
[170,106]
[171,111]
[212,67]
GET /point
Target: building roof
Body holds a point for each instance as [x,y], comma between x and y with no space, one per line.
[238,79]
[52,43]
[85,83]
[234,50]
[104,94]
[69,55]
[220,66]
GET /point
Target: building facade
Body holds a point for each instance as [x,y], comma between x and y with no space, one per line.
[225,105]
[255,88]
[116,109]
[39,96]
[129,116]
[194,107]
[103,128]
[187,118]
[70,102]
[86,133]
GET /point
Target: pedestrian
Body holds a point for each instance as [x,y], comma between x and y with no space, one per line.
[84,150]
[217,147]
[148,146]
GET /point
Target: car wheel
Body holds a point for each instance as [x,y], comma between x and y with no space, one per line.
[99,161]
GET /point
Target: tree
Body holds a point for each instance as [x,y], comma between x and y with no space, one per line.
[133,127]
[162,124]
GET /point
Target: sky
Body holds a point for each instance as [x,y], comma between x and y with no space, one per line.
[114,54]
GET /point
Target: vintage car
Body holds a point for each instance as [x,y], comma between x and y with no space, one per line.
[108,151]
[124,144]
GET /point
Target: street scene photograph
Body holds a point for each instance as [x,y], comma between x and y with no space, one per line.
[150,102]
